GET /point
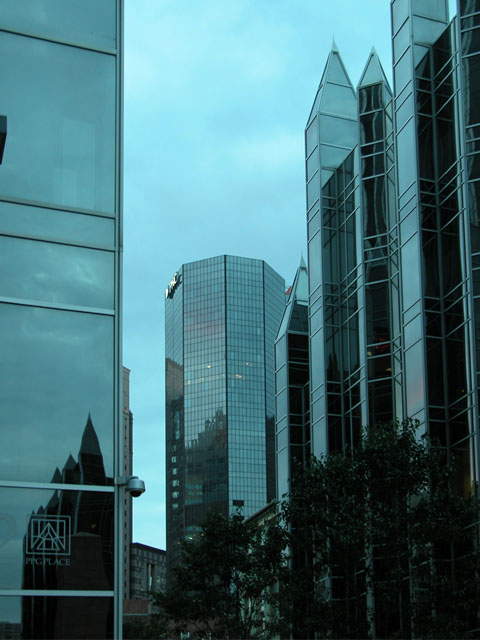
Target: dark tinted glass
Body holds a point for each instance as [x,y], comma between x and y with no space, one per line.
[469,6]
[56,539]
[62,618]
[371,127]
[370,98]
[471,71]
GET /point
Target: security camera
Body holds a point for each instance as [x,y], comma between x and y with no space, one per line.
[132,484]
[135,486]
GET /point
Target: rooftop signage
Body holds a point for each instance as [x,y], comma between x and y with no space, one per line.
[173,284]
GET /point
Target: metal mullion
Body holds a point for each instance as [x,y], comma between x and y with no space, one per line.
[58,241]
[68,43]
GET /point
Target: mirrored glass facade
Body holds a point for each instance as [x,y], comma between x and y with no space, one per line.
[393,220]
[221,319]
[292,384]
[60,239]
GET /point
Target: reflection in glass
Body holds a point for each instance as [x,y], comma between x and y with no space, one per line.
[206,472]
[63,363]
[63,150]
[87,22]
[51,224]
[56,617]
[61,539]
[56,273]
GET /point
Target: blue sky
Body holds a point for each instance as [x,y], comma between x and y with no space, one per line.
[217,94]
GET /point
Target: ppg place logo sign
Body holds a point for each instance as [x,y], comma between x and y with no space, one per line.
[48,540]
[173,284]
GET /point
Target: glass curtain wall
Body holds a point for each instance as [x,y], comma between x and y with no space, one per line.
[380,242]
[60,233]
[332,210]
[222,315]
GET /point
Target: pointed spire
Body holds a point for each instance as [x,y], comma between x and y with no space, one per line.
[70,463]
[302,263]
[57,476]
[327,98]
[90,444]
[373,71]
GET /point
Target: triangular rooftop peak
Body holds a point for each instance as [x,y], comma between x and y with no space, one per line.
[334,46]
[373,71]
[334,72]
[90,444]
[302,263]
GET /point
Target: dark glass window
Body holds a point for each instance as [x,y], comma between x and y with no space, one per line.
[371,98]
[469,6]
[471,76]
[431,267]
[56,539]
[377,310]
[371,127]
[435,364]
[426,153]
[380,401]
[471,41]
[455,348]
[373,165]
[61,618]
[441,51]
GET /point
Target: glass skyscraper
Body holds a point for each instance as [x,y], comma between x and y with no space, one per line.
[60,240]
[221,319]
[393,184]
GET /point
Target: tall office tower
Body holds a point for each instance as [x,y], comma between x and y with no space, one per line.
[292,407]
[127,436]
[60,240]
[393,236]
[221,319]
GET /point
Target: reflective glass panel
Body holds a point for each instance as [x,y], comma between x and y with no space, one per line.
[399,13]
[51,224]
[62,618]
[411,270]
[313,190]
[311,136]
[429,9]
[61,150]
[401,41]
[56,273]
[403,71]
[425,30]
[56,539]
[406,157]
[333,156]
[414,379]
[56,396]
[339,99]
[88,22]
[337,131]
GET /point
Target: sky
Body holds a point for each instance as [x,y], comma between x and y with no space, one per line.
[217,94]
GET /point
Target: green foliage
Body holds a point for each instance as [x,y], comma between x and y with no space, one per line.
[141,628]
[381,544]
[223,585]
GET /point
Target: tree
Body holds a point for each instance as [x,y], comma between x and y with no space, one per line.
[223,585]
[382,545]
